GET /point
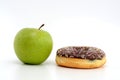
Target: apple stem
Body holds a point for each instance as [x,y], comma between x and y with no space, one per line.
[41,26]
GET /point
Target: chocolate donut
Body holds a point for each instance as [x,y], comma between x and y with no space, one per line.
[80,57]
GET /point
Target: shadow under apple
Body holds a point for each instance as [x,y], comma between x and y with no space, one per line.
[33,72]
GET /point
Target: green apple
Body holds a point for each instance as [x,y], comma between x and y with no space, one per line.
[33,46]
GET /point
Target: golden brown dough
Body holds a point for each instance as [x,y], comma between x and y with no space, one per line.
[80,63]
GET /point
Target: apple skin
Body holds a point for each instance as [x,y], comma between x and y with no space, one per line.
[33,46]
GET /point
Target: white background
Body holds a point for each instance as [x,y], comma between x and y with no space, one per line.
[70,22]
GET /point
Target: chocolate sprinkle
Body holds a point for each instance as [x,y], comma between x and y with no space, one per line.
[82,52]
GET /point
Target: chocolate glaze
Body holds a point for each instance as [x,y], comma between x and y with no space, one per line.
[82,52]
